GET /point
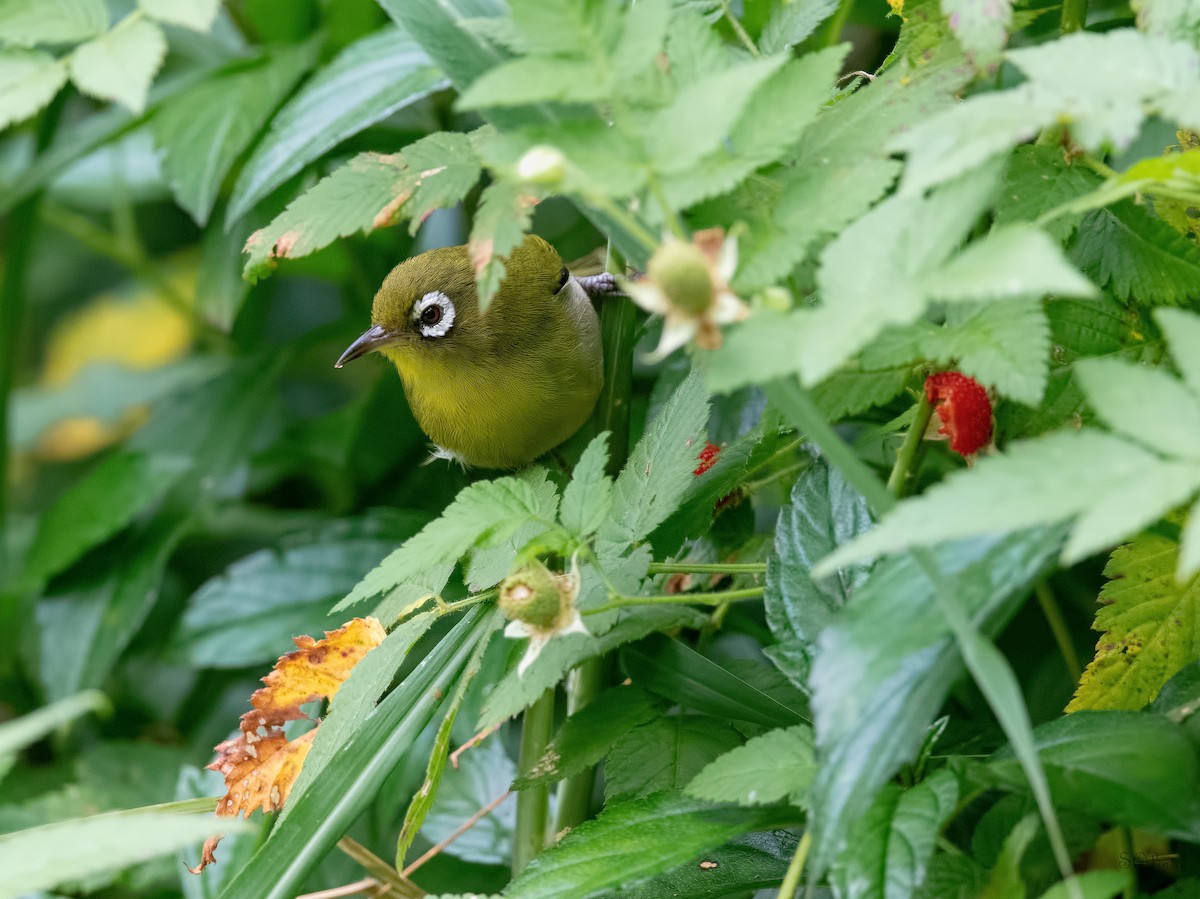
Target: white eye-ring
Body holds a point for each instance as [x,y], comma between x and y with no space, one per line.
[433,314]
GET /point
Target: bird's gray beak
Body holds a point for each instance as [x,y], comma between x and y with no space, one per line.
[372,339]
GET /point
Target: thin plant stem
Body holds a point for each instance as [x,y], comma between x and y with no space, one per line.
[740,31]
[618,326]
[791,880]
[349,889]
[623,217]
[379,870]
[533,804]
[618,601]
[1058,627]
[669,216]
[1129,890]
[458,832]
[833,30]
[708,567]
[905,468]
[1074,15]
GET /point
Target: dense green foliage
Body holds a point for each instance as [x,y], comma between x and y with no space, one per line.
[812,647]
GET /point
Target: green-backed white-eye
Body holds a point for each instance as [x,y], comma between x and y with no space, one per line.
[494,389]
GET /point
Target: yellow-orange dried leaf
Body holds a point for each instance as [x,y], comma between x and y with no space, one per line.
[261,764]
[207,854]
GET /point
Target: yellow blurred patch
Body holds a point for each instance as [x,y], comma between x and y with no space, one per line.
[134,327]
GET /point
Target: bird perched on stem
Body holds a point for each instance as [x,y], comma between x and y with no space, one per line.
[492,389]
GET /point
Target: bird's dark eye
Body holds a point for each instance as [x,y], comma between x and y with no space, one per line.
[562,278]
[431,314]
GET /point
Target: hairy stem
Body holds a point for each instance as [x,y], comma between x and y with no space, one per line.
[740,30]
[1074,15]
[533,804]
[708,568]
[905,468]
[620,601]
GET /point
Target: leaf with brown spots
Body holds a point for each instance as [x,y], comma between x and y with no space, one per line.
[1151,625]
[261,764]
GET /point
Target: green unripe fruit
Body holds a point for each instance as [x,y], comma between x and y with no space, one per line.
[543,165]
[683,273]
[531,595]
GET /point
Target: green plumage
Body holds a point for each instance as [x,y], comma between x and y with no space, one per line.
[501,388]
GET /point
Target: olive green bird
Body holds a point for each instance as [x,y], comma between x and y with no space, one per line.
[494,389]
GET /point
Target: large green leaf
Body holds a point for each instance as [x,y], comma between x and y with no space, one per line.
[34,860]
[120,64]
[884,667]
[21,732]
[891,845]
[824,513]
[666,753]
[634,840]
[25,24]
[99,505]
[346,786]
[29,79]
[773,766]
[368,81]
[587,499]
[201,132]
[1133,768]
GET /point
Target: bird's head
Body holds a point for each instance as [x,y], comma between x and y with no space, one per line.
[429,304]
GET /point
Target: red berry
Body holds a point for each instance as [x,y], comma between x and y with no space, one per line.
[708,458]
[964,408]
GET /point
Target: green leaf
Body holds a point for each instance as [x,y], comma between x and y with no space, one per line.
[98,505]
[29,79]
[1038,178]
[1143,404]
[34,859]
[371,191]
[537,79]
[198,15]
[1147,619]
[248,614]
[891,845]
[1179,699]
[1116,488]
[21,732]
[1127,250]
[1005,881]
[1182,330]
[346,787]
[483,514]
[586,737]
[588,499]
[369,80]
[201,132]
[791,22]
[1177,19]
[463,53]
[501,221]
[1131,768]
[120,64]
[659,472]
[776,765]
[824,513]
[633,840]
[664,754]
[884,667]
[755,861]
[1091,885]
[25,24]
[703,113]
[679,673]
[981,27]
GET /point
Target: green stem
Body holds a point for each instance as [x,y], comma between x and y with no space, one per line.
[833,30]
[620,601]
[1058,627]
[22,227]
[533,804]
[621,216]
[740,31]
[1129,890]
[708,568]
[903,471]
[791,880]
[1074,15]
[618,326]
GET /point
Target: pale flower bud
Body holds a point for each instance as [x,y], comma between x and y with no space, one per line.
[542,164]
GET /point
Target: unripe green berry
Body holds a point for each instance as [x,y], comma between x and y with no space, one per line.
[683,273]
[542,164]
[531,595]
